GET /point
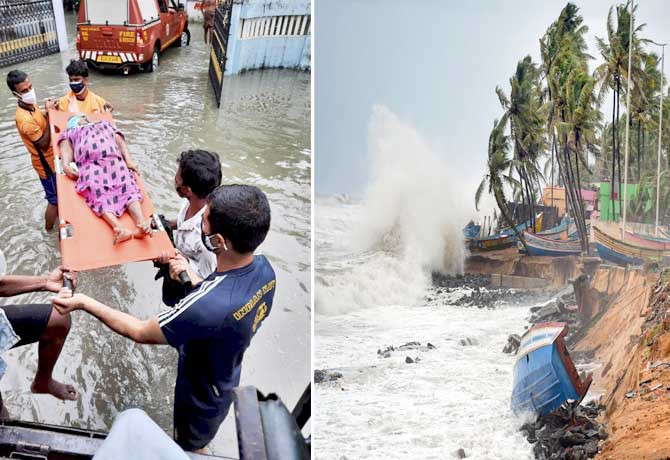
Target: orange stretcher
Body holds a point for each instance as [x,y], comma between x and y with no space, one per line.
[86,241]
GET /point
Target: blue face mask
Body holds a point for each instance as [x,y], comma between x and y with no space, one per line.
[77,86]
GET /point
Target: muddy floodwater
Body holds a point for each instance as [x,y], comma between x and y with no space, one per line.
[262,135]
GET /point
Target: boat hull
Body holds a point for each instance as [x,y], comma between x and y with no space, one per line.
[542,246]
[544,375]
[624,252]
[611,255]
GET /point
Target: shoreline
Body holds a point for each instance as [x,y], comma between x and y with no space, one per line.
[622,326]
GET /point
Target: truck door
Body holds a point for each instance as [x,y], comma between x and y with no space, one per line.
[166,26]
[175,18]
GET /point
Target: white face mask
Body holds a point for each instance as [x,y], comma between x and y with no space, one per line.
[28,98]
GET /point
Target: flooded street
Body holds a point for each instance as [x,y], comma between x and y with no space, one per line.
[262,135]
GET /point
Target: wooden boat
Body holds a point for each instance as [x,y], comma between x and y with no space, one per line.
[543,246]
[560,232]
[624,253]
[502,240]
[471,230]
[492,243]
[640,239]
[544,375]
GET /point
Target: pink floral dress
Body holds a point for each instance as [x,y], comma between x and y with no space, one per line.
[104,179]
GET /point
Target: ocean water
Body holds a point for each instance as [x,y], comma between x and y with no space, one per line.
[373,262]
[454,397]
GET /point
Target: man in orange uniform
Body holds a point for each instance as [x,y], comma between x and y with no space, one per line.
[80,99]
[33,126]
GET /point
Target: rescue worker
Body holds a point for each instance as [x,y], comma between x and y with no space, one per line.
[33,127]
[81,99]
[214,324]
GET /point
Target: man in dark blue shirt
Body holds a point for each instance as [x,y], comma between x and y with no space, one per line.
[213,325]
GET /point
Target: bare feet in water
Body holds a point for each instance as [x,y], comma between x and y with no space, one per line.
[122,234]
[56,389]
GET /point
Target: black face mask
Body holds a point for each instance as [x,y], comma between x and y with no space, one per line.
[77,87]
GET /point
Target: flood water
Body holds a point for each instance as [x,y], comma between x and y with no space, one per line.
[262,135]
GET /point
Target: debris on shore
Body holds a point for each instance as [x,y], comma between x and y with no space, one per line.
[476,291]
[568,433]
[325,375]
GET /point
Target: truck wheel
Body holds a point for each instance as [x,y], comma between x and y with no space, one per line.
[152,65]
[185,39]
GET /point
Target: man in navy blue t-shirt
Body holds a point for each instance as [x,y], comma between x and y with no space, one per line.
[213,325]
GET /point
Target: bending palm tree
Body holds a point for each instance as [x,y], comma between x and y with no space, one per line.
[498,176]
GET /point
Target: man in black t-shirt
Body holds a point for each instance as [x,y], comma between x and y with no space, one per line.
[213,325]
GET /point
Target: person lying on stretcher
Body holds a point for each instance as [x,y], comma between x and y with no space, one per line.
[97,157]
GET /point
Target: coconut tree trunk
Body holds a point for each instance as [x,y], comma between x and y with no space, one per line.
[506,215]
[639,152]
[618,149]
[612,214]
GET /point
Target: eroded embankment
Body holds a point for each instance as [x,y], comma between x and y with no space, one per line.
[558,270]
[629,336]
[625,328]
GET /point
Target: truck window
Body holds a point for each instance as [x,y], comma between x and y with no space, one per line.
[106,12]
[148,9]
[163,6]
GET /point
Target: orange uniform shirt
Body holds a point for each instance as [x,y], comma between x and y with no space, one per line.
[92,104]
[31,126]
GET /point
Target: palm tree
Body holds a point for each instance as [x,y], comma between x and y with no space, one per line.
[613,73]
[498,173]
[527,116]
[564,58]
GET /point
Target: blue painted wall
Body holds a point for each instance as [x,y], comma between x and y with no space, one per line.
[266,52]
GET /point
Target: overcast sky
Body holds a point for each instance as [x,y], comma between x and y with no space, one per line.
[435,63]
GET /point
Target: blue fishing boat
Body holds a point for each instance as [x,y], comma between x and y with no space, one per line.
[543,246]
[544,375]
[559,232]
[471,230]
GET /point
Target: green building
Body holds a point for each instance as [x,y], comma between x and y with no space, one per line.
[605,203]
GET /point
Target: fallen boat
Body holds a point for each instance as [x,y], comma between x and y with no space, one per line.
[544,375]
[542,246]
[624,252]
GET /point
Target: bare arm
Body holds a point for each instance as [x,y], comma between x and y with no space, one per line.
[11,285]
[44,141]
[123,148]
[67,156]
[179,264]
[146,331]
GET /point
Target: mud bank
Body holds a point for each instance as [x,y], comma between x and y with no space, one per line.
[628,334]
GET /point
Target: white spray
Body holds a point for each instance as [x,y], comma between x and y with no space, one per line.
[409,225]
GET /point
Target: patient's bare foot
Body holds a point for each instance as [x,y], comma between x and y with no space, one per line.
[56,389]
[143,229]
[122,234]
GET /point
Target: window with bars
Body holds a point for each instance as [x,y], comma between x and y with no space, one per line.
[275,26]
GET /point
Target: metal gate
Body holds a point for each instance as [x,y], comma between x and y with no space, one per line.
[27,30]
[217,57]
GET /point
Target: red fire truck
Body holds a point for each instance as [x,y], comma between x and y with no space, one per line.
[121,34]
